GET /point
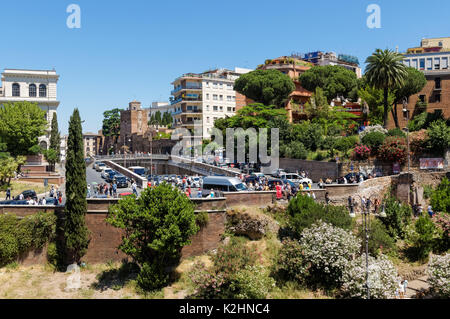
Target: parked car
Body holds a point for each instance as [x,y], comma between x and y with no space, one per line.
[100,167]
[252,179]
[106,172]
[111,175]
[352,178]
[221,184]
[293,177]
[28,193]
[120,180]
[273,182]
[96,165]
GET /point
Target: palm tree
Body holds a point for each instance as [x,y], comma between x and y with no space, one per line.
[385,71]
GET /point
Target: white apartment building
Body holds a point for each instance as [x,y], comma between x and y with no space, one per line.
[162,107]
[36,86]
[427,61]
[332,58]
[63,147]
[200,99]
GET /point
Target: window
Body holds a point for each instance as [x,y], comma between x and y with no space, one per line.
[221,97]
[422,97]
[215,85]
[207,96]
[32,90]
[229,109]
[189,108]
[42,90]
[444,63]
[407,62]
[215,118]
[234,109]
[422,64]
[207,107]
[229,87]
[440,43]
[207,119]
[234,99]
[221,108]
[429,64]
[437,83]
[437,63]
[221,85]
[215,108]
[16,89]
[437,98]
[215,97]
[229,98]
[414,64]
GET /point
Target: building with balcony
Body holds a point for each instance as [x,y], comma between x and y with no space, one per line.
[36,86]
[91,144]
[332,58]
[198,99]
[432,58]
[292,67]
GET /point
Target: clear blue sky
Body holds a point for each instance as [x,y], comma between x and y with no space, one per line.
[134,49]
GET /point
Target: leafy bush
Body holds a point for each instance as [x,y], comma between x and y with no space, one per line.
[371,129]
[396,132]
[394,149]
[440,197]
[343,144]
[304,212]
[310,134]
[361,152]
[373,140]
[252,282]
[290,263]
[442,223]
[439,136]
[397,217]
[329,142]
[202,219]
[439,275]
[383,278]
[423,120]
[294,149]
[427,191]
[18,236]
[157,226]
[328,249]
[418,142]
[379,239]
[225,278]
[425,239]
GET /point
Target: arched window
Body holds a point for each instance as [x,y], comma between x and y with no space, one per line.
[32,90]
[42,90]
[15,89]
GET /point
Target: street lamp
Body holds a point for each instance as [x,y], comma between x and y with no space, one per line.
[366,224]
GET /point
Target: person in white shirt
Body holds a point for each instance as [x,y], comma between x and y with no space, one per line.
[44,202]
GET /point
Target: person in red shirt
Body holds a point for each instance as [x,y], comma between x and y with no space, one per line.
[188,192]
[279,191]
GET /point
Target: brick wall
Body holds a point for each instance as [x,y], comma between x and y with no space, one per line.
[316,169]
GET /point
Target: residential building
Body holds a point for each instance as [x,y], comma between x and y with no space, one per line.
[433,61]
[36,86]
[91,145]
[332,58]
[162,107]
[292,67]
[134,120]
[198,99]
[63,147]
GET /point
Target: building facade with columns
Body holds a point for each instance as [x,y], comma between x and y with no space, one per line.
[35,86]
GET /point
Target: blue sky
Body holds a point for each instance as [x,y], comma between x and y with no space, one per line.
[134,49]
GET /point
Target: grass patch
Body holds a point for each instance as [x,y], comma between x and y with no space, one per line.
[18,187]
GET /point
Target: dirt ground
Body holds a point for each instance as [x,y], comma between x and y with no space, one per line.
[41,282]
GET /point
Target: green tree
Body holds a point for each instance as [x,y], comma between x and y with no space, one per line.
[317,106]
[111,124]
[265,86]
[334,80]
[8,166]
[386,71]
[21,123]
[76,234]
[438,136]
[414,82]
[397,217]
[55,144]
[157,226]
[374,99]
[440,197]
[158,117]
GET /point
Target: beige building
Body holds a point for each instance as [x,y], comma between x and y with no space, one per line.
[91,144]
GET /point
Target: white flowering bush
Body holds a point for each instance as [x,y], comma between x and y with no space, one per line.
[370,129]
[439,275]
[383,278]
[253,282]
[328,249]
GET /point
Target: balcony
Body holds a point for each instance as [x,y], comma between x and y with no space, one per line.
[186,87]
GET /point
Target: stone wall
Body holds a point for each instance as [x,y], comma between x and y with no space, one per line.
[259,199]
[316,169]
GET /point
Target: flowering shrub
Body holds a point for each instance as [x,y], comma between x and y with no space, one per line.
[361,152]
[418,141]
[328,249]
[373,140]
[209,284]
[383,278]
[234,256]
[439,275]
[291,264]
[442,222]
[373,128]
[252,282]
[393,150]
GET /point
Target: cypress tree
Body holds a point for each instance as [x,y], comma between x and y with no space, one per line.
[75,231]
[55,140]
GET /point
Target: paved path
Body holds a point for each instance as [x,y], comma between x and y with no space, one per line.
[415,286]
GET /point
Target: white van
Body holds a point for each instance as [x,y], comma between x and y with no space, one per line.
[222,184]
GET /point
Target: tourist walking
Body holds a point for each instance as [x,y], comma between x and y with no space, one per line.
[89,191]
[279,191]
[134,186]
[430,211]
[327,198]
[8,194]
[115,190]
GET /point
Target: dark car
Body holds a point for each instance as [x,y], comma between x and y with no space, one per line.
[28,193]
[252,179]
[121,181]
[110,176]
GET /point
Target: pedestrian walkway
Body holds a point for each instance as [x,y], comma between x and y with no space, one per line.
[416,286]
